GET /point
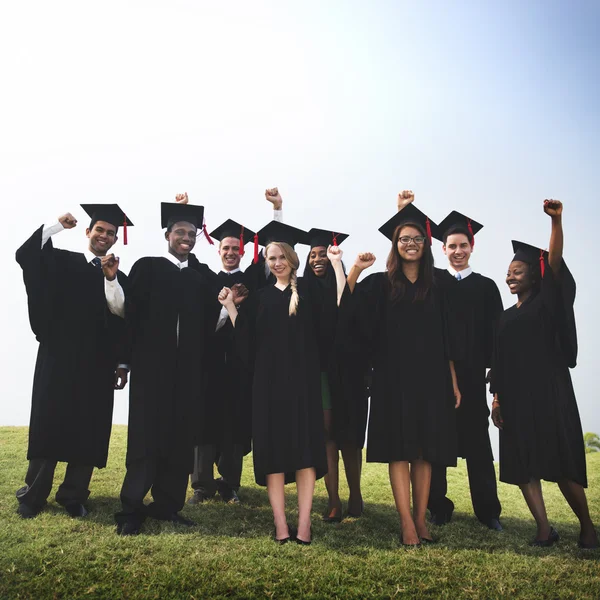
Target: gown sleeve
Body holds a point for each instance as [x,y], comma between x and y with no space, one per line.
[558,297]
[39,276]
[492,312]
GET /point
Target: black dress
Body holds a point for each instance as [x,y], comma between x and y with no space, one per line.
[73,385]
[172,313]
[287,414]
[412,403]
[535,346]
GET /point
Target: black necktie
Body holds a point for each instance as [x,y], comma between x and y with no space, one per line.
[96,261]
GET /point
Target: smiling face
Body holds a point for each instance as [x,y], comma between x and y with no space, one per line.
[458,250]
[278,263]
[102,237]
[182,239]
[518,277]
[229,251]
[411,251]
[318,261]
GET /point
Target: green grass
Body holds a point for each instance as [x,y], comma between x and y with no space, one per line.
[231,554]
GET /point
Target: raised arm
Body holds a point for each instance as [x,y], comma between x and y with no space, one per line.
[363,261]
[226,298]
[554,209]
[334,254]
[274,197]
[405,198]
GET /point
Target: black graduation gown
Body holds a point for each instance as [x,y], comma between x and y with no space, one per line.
[167,387]
[476,305]
[535,345]
[287,412]
[228,407]
[80,348]
[412,403]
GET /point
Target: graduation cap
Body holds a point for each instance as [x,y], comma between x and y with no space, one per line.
[175,212]
[276,231]
[530,254]
[232,229]
[456,219]
[409,214]
[110,213]
[322,237]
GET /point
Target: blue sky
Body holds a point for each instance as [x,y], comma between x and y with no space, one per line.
[483,107]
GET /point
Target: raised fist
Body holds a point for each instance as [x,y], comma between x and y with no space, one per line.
[405,198]
[553,208]
[364,260]
[68,221]
[274,197]
[334,254]
[110,266]
[226,296]
[182,198]
[240,293]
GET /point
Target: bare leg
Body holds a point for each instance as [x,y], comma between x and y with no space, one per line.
[276,493]
[420,475]
[400,480]
[532,492]
[305,484]
[575,496]
[332,479]
[353,465]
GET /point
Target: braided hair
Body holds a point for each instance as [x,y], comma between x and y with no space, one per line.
[294,262]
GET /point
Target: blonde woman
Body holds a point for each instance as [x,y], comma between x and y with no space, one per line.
[278,332]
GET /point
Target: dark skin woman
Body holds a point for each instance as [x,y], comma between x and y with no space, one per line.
[534,404]
[318,264]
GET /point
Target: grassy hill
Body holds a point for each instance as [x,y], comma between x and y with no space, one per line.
[231,554]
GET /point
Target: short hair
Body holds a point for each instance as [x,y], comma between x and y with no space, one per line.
[457,229]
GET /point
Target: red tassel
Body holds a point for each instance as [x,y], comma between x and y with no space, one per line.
[124,230]
[335,235]
[255,248]
[472,234]
[428,227]
[542,263]
[206,235]
[242,251]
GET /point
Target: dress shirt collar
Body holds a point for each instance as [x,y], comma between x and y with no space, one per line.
[231,272]
[89,256]
[175,261]
[463,274]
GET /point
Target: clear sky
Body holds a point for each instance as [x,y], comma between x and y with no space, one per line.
[483,107]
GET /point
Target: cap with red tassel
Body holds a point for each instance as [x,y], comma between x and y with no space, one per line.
[255,259]
[242,250]
[470,226]
[208,238]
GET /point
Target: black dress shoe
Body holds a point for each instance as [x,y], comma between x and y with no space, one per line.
[440,519]
[494,524]
[26,512]
[302,542]
[76,510]
[354,515]
[552,539]
[290,537]
[198,497]
[178,519]
[227,493]
[128,528]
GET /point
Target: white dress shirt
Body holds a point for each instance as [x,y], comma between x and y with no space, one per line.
[463,274]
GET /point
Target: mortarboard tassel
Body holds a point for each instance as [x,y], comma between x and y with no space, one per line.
[255,248]
[242,251]
[428,228]
[542,264]
[335,235]
[206,234]
[472,234]
[124,230]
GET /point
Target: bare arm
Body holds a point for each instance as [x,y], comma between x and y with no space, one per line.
[554,209]
[226,299]
[405,198]
[457,394]
[363,261]
[334,254]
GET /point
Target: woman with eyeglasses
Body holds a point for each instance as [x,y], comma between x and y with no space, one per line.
[403,328]
[534,403]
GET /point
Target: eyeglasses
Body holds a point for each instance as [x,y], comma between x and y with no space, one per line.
[405,240]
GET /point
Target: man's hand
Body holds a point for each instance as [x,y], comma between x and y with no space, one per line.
[334,254]
[110,266]
[553,208]
[405,198]
[226,297]
[182,198]
[240,293]
[121,376]
[68,221]
[364,260]
[457,397]
[496,414]
[274,197]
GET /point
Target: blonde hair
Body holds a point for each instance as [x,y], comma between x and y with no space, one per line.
[292,259]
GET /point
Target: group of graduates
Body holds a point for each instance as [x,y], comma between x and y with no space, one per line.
[265,360]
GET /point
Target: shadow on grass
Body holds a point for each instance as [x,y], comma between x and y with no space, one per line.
[377,529]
